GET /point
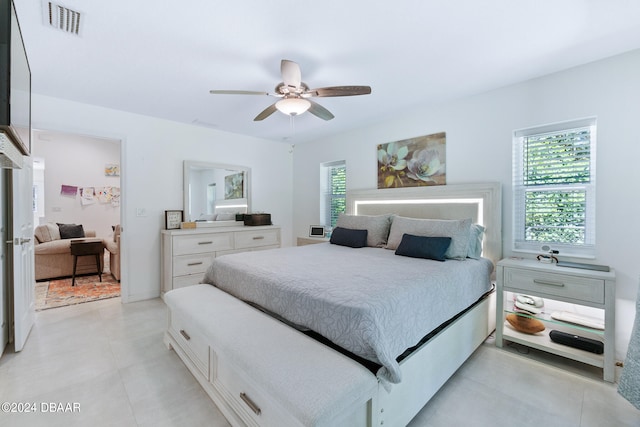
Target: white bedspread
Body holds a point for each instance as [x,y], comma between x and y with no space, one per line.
[369,301]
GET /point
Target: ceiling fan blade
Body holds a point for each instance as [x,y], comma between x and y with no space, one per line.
[236,92]
[291,74]
[319,111]
[341,91]
[266,112]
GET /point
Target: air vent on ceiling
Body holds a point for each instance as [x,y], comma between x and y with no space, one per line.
[62,17]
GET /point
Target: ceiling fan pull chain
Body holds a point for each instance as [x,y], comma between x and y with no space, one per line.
[292,126]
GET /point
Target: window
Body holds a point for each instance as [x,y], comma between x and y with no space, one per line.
[333,191]
[554,188]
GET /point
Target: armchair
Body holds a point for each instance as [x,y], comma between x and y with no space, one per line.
[113,246]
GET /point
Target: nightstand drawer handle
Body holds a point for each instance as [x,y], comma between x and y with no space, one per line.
[205,243]
[246,399]
[191,264]
[258,238]
[185,334]
[548,283]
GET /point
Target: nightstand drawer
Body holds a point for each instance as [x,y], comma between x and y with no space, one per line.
[556,284]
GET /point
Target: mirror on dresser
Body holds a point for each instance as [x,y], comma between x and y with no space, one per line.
[215,192]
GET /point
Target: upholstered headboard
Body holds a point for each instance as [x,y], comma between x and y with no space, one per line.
[481,202]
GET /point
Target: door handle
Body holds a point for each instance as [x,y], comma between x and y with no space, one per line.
[19,241]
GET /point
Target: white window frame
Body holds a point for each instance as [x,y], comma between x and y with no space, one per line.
[588,248]
[325,190]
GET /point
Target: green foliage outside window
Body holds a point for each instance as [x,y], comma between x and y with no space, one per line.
[338,192]
[555,166]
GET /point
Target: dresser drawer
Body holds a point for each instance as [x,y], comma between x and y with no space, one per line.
[191,342]
[200,243]
[556,284]
[191,264]
[257,238]
[253,405]
[188,280]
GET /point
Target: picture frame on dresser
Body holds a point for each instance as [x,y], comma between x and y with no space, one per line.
[172,219]
[316,231]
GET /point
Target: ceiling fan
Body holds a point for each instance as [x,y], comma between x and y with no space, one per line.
[295,94]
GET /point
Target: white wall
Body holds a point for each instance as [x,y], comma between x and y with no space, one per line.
[151,175]
[479,142]
[79,161]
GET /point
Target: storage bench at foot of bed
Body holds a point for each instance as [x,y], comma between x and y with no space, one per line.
[261,372]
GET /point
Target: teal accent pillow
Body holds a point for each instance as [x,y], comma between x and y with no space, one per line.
[348,237]
[433,248]
[377,227]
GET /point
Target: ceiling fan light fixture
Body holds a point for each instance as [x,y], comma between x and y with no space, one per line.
[293,106]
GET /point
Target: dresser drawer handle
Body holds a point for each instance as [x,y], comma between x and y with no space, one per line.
[191,264]
[258,237]
[185,334]
[206,243]
[255,408]
[547,283]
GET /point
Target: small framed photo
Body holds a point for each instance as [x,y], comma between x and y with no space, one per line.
[316,231]
[172,219]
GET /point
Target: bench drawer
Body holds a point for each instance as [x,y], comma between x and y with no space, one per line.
[250,403]
[192,342]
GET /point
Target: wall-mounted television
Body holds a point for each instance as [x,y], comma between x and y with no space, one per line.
[15,80]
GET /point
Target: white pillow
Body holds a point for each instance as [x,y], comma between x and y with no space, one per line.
[458,230]
[475,241]
[377,227]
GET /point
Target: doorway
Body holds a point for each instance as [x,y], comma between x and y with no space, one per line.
[77,182]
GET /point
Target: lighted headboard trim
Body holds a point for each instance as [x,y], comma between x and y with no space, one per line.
[481,201]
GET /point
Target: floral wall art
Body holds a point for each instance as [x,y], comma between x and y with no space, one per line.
[413,162]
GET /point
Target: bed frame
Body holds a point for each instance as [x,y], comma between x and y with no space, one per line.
[427,368]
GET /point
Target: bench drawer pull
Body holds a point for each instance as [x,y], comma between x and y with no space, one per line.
[185,334]
[255,408]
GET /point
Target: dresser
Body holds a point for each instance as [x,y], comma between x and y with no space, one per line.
[186,254]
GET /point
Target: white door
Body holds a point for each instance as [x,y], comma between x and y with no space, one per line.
[23,258]
[4,286]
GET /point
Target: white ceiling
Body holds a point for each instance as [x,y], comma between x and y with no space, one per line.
[160,58]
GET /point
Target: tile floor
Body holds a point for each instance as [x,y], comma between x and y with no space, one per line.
[109,359]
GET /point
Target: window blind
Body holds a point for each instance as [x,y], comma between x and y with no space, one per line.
[333,192]
[554,188]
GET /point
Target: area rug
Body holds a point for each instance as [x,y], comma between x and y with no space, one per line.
[59,293]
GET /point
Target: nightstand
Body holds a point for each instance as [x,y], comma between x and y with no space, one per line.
[558,286]
[311,240]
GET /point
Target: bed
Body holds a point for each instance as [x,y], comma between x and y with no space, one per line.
[400,353]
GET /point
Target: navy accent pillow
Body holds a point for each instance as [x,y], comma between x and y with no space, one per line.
[348,237]
[71,231]
[423,247]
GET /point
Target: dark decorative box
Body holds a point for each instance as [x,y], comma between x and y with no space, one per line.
[257,219]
